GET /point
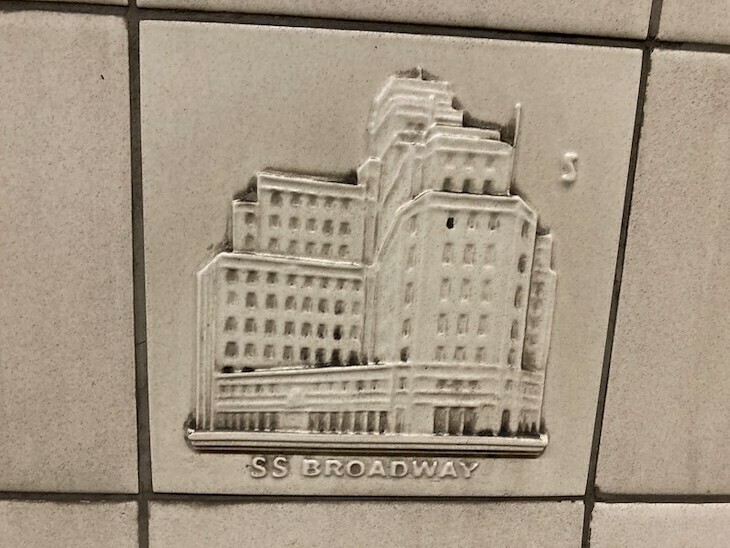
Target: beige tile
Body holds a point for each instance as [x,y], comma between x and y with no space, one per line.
[220,102]
[695,21]
[599,17]
[666,525]
[67,418]
[67,524]
[665,424]
[365,524]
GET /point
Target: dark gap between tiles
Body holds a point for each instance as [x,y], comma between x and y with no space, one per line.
[304,499]
[661,499]
[66,497]
[591,488]
[144,462]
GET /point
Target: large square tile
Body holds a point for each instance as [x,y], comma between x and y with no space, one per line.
[666,525]
[365,524]
[67,417]
[32,524]
[221,102]
[695,21]
[664,429]
[600,17]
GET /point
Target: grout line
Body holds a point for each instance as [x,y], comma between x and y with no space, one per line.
[66,497]
[296,21]
[608,498]
[62,7]
[144,463]
[591,488]
[305,499]
[655,17]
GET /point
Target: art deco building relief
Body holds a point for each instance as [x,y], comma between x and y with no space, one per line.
[405,309]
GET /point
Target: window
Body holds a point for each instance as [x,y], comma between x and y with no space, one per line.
[311,224]
[231,275]
[274,221]
[340,307]
[442,325]
[250,350]
[445,288]
[274,244]
[231,349]
[522,264]
[296,199]
[271,278]
[231,297]
[276,198]
[471,222]
[459,354]
[270,327]
[307,304]
[323,305]
[343,251]
[446,253]
[409,293]
[252,277]
[406,327]
[269,351]
[289,328]
[294,223]
[412,256]
[293,247]
[465,289]
[306,329]
[462,324]
[251,300]
[327,227]
[309,248]
[250,325]
[487,290]
[290,303]
[482,326]
[231,323]
[402,383]
[250,218]
[321,331]
[344,228]
[270,300]
[518,296]
[326,250]
[439,354]
[525,229]
[469,254]
[481,355]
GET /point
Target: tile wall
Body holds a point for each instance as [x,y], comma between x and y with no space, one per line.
[107,114]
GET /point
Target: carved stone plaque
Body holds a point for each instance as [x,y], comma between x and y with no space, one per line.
[407,310]
[377,264]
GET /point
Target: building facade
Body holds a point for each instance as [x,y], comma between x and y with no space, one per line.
[415,300]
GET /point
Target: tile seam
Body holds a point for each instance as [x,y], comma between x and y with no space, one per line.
[144,464]
[591,488]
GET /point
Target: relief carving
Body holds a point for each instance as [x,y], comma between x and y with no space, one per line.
[407,311]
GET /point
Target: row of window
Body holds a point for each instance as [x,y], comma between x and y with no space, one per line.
[470,254]
[252,421]
[289,328]
[309,249]
[296,199]
[271,302]
[311,224]
[348,421]
[286,353]
[233,275]
[443,354]
[455,421]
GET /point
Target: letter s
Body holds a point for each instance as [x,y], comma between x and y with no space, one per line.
[281,467]
[258,470]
